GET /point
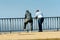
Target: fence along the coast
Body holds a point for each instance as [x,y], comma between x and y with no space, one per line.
[17,24]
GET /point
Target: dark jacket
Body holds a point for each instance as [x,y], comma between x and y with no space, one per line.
[28,16]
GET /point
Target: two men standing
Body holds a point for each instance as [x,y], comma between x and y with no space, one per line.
[28,19]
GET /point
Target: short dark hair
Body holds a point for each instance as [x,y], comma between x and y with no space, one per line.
[27,10]
[37,10]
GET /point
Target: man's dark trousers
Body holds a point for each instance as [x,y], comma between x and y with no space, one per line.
[31,24]
[40,21]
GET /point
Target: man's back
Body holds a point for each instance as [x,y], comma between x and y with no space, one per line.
[28,15]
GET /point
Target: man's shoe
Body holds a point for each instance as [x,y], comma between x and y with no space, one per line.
[39,31]
[30,31]
[24,29]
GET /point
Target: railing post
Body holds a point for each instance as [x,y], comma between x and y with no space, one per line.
[57,24]
[10,25]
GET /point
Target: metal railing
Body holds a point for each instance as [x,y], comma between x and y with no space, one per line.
[17,24]
[51,23]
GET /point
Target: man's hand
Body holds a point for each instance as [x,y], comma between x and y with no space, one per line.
[36,17]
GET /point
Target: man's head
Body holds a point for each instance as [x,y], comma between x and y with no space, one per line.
[37,10]
[27,11]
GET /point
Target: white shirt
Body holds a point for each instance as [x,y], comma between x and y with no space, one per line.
[39,14]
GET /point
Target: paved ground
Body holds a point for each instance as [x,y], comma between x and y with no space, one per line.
[30,35]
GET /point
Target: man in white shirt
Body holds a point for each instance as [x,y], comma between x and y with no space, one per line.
[39,16]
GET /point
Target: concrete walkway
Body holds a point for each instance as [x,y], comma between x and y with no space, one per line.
[29,35]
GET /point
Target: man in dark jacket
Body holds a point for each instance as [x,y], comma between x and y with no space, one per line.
[28,19]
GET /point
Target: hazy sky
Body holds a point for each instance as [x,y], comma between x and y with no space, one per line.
[17,8]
